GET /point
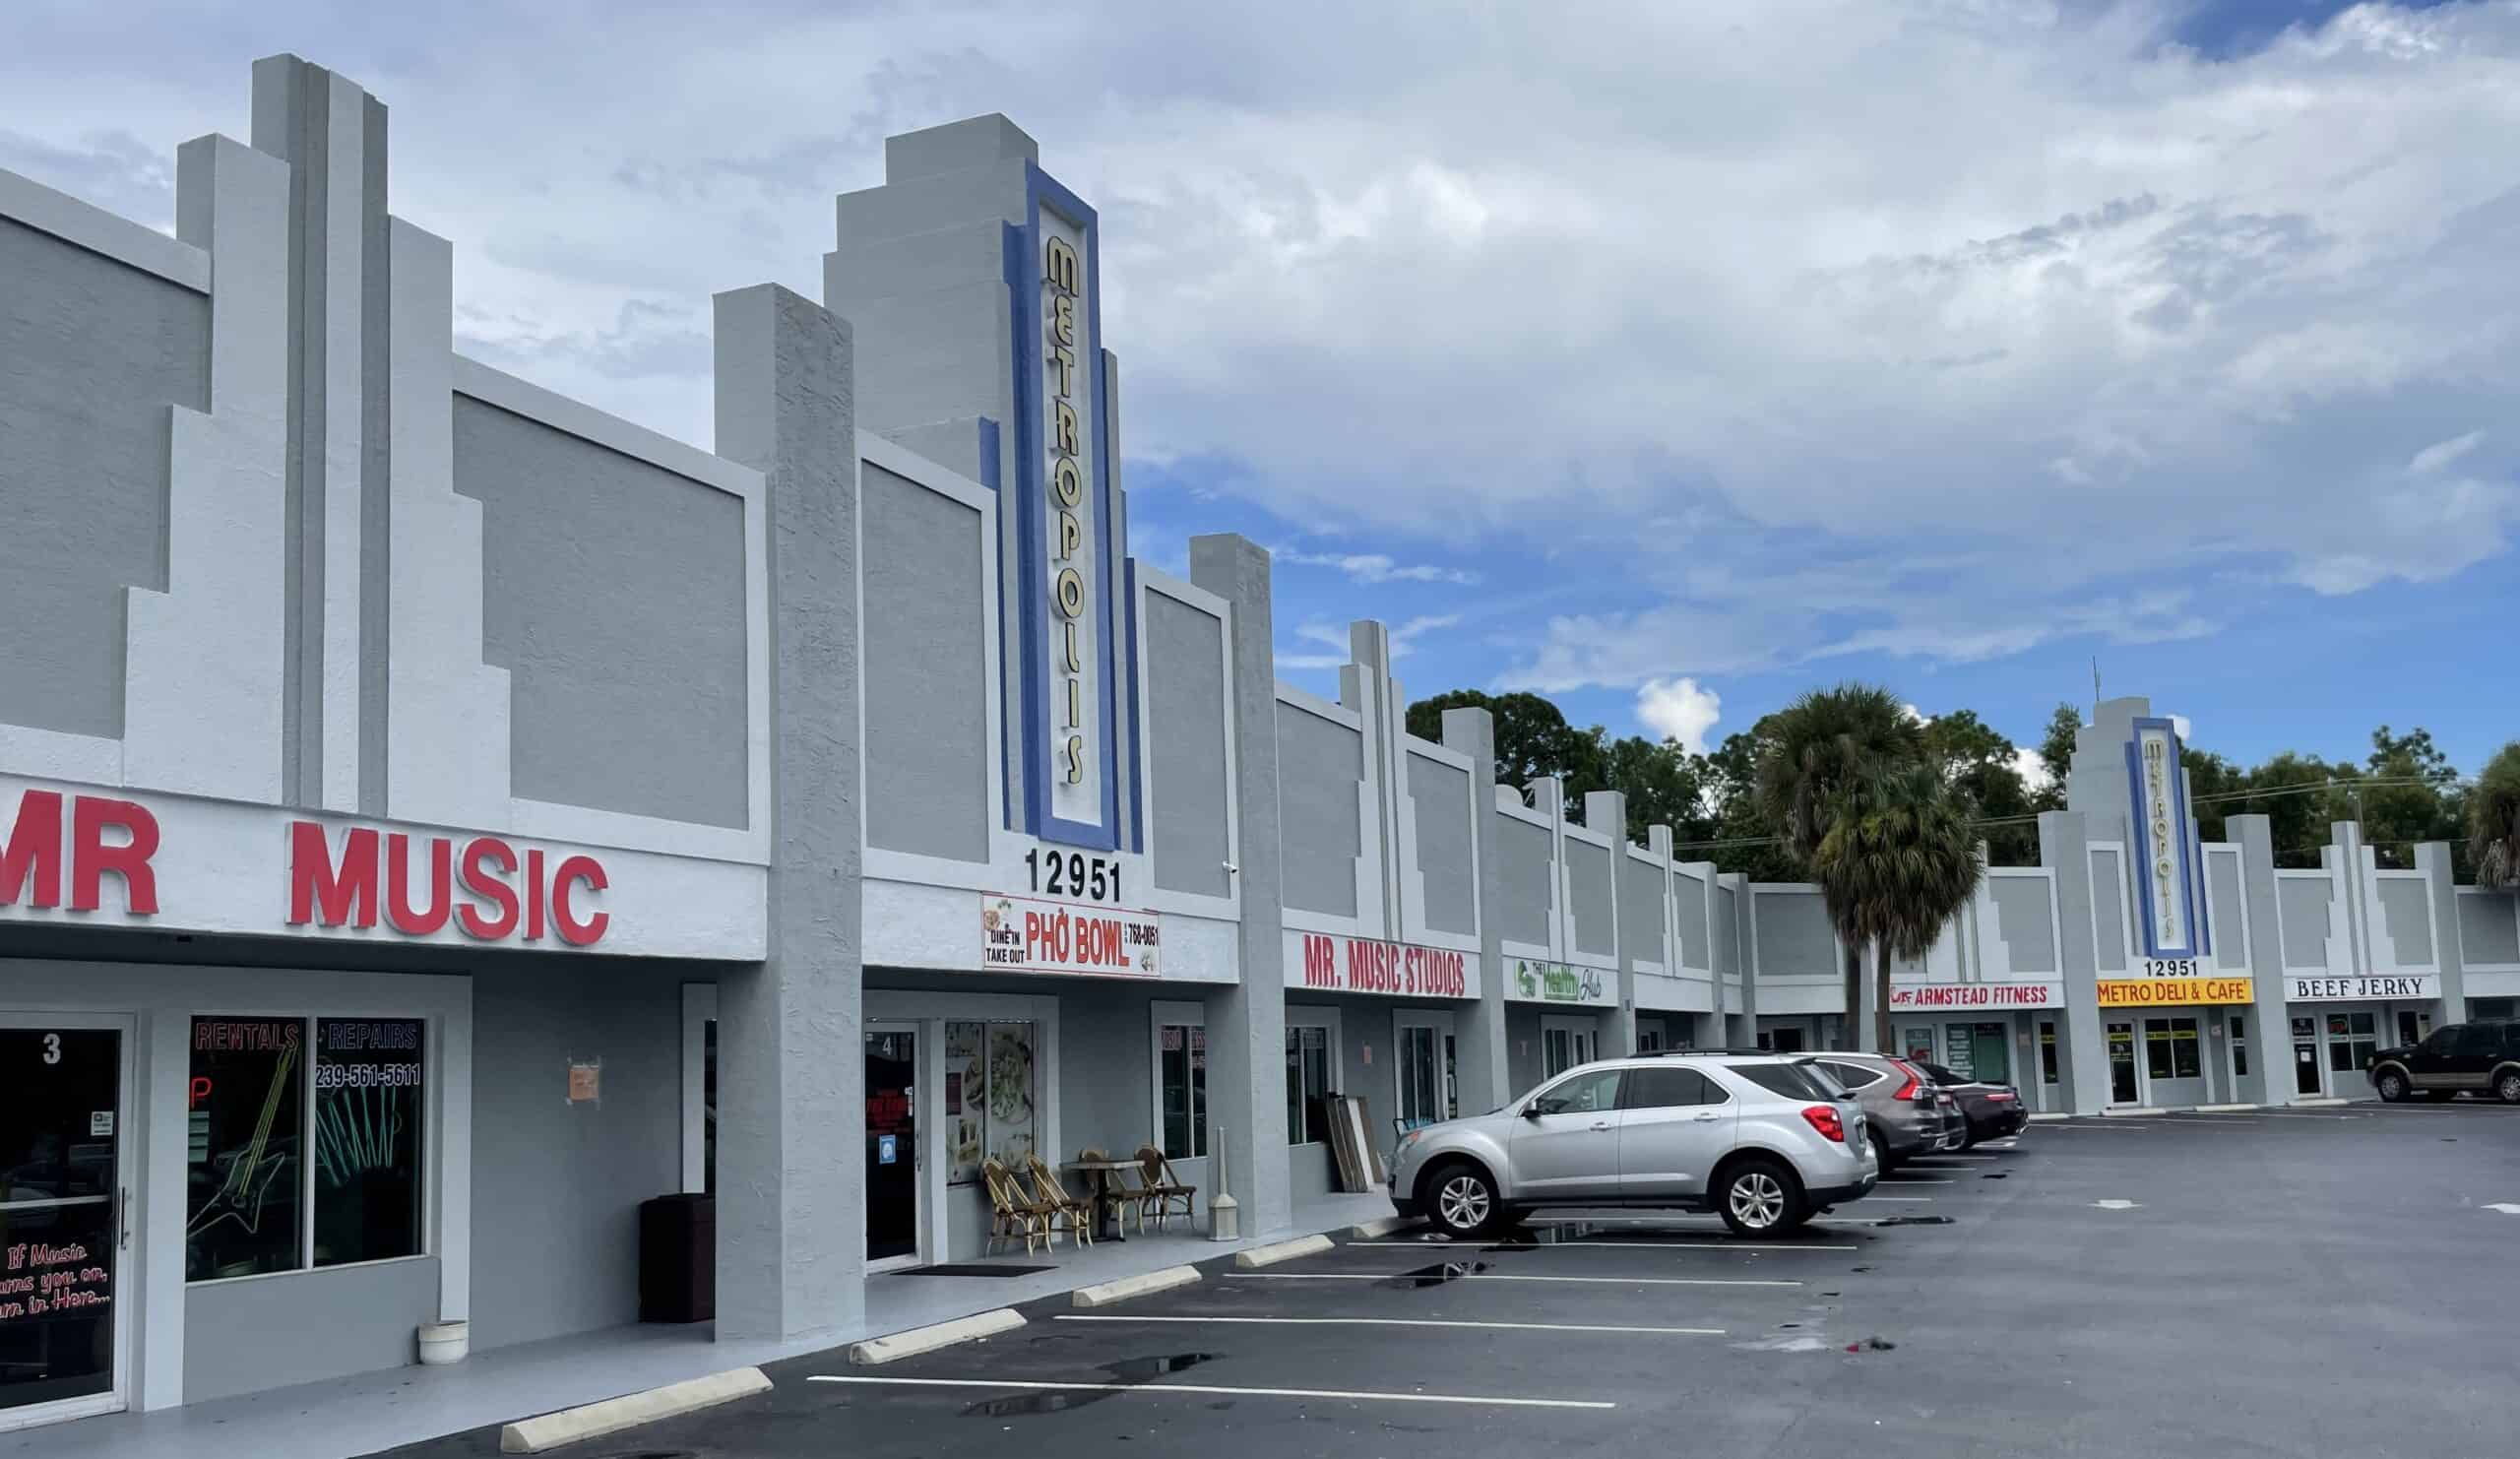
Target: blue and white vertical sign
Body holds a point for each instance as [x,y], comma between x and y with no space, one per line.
[2166,852]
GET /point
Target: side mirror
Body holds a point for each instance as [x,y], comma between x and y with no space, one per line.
[1532,1110]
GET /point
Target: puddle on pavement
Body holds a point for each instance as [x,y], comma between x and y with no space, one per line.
[1432,1276]
[1784,1345]
[1997,1175]
[1128,1373]
[1871,1345]
[1913,1221]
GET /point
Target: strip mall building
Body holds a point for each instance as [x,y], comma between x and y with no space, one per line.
[436,816]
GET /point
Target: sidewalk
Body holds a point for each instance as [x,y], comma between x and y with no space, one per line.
[403,1405]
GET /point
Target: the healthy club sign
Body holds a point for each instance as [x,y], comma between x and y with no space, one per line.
[1068,412]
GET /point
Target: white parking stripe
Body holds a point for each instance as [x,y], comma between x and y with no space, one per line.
[1357,1394]
[1411,1322]
[1499,1276]
[1911,1181]
[1898,1197]
[1920,1160]
[1616,1245]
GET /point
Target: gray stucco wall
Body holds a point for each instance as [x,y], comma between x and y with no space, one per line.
[2028,923]
[1695,937]
[1588,887]
[2304,901]
[1522,1048]
[1441,795]
[265,1332]
[92,354]
[556,1186]
[1793,935]
[2223,874]
[1728,952]
[1640,909]
[1523,869]
[1320,764]
[1185,747]
[926,665]
[2410,920]
[613,594]
[2109,909]
[2488,931]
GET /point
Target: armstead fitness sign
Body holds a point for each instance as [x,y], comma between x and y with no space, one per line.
[1369,965]
[89,856]
[1906,997]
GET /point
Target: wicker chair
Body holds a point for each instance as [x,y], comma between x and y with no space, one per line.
[1064,1209]
[1163,1187]
[1123,1194]
[1012,1212]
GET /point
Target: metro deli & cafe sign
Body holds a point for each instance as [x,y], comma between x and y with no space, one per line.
[2174,992]
[1533,981]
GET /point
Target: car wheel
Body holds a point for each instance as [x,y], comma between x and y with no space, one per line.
[1880,1151]
[1760,1197]
[1463,1200]
[2507,1086]
[2392,1086]
[1969,1140]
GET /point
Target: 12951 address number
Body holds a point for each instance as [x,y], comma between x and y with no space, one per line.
[1056,873]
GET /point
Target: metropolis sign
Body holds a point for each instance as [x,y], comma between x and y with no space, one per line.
[2165,851]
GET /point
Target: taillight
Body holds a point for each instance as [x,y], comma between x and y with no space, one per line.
[1824,1118]
[1999,1095]
[1907,1092]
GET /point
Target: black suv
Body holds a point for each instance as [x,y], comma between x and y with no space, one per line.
[2483,1057]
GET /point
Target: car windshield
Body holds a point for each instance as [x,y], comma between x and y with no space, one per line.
[1793,1081]
[1939,1074]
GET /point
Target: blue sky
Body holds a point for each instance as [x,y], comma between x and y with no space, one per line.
[1669,363]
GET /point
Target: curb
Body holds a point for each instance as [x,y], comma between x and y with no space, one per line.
[2330,1103]
[1382,1228]
[2225,1108]
[895,1346]
[1278,1252]
[2043,1118]
[612,1415]
[1107,1293]
[2135,1114]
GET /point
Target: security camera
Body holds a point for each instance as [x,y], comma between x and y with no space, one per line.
[1231,870]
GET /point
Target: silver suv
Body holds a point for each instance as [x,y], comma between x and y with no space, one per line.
[1753,1136]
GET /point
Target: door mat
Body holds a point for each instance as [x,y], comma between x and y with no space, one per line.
[974,1269]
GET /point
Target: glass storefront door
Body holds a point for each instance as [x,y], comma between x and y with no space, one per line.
[1565,1043]
[1424,1069]
[2353,1038]
[2306,1054]
[63,1190]
[892,1146]
[2122,1064]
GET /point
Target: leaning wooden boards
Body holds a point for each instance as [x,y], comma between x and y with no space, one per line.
[1360,1164]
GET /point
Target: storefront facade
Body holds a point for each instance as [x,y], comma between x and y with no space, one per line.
[438,810]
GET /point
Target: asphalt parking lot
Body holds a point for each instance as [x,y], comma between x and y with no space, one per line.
[2317,1281]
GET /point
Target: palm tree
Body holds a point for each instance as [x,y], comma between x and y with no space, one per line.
[1899,862]
[2494,820]
[1815,753]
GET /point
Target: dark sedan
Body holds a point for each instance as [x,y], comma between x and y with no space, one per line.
[1994,1111]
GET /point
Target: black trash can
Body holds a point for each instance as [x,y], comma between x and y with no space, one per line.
[678,1258]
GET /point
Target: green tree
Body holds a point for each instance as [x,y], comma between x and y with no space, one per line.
[1813,755]
[1533,740]
[1898,861]
[2421,802]
[2211,776]
[2494,820]
[1983,769]
[2057,752]
[1665,785]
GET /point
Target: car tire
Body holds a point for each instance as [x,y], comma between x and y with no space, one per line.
[1880,1152]
[1970,1139]
[2507,1086]
[2392,1086]
[1462,1201]
[1760,1197]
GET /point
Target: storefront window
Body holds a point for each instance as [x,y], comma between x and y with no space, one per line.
[1307,1084]
[2351,1040]
[2170,1050]
[265,1167]
[990,1095]
[2047,1051]
[2240,1046]
[1183,1052]
[367,1139]
[246,1138]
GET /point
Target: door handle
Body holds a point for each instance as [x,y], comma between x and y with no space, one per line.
[122,1218]
[1707,1117]
[1601,1124]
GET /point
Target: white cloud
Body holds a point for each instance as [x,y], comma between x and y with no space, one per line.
[2032,766]
[1678,709]
[2178,724]
[1334,638]
[2441,453]
[1841,275]
[1370,568]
